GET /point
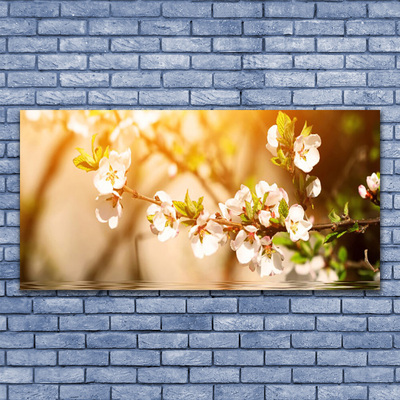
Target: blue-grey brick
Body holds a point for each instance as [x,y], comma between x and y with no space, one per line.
[17,61]
[269,97]
[314,375]
[239,80]
[215,97]
[61,97]
[164,306]
[187,323]
[110,375]
[214,340]
[318,27]
[212,305]
[341,323]
[384,10]
[367,341]
[89,391]
[289,79]
[34,9]
[17,26]
[384,357]
[32,79]
[215,62]
[162,375]
[264,305]
[187,79]
[319,61]
[289,323]
[9,132]
[31,45]
[13,340]
[289,45]
[109,306]
[135,322]
[288,10]
[290,357]
[165,27]
[238,10]
[366,306]
[320,340]
[84,322]
[369,374]
[386,236]
[57,306]
[163,340]
[263,375]
[8,201]
[111,340]
[238,392]
[136,391]
[186,10]
[61,61]
[83,79]
[317,97]
[110,96]
[240,323]
[267,61]
[113,27]
[32,323]
[61,27]
[344,392]
[164,61]
[136,79]
[384,78]
[32,391]
[238,357]
[268,27]
[135,357]
[10,270]
[83,357]
[237,45]
[370,61]
[289,392]
[16,375]
[3,9]
[135,44]
[217,27]
[341,45]
[373,28]
[180,392]
[59,375]
[15,305]
[267,340]
[87,45]
[113,61]
[386,323]
[368,97]
[31,357]
[387,44]
[158,98]
[214,375]
[186,357]
[85,9]
[345,10]
[342,358]
[193,45]
[324,306]
[381,392]
[342,78]
[136,9]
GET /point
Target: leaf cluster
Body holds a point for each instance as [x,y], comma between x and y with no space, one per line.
[89,162]
[189,208]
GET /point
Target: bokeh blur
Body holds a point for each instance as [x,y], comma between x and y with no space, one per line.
[210,153]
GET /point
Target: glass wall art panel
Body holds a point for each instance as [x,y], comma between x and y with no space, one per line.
[193,199]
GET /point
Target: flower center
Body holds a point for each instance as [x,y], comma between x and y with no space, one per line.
[294,226]
[111,176]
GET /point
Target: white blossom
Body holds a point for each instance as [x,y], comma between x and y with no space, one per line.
[362,191]
[296,225]
[269,259]
[109,209]
[313,189]
[205,236]
[272,140]
[111,174]
[373,182]
[317,270]
[164,220]
[306,152]
[237,204]
[246,244]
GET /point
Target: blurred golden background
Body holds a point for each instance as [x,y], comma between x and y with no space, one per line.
[208,152]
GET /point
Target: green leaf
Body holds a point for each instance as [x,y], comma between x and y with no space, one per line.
[306,130]
[276,161]
[274,221]
[333,216]
[188,222]
[342,275]
[346,209]
[282,241]
[342,254]
[244,218]
[264,199]
[297,258]
[341,234]
[354,228]
[190,206]
[249,210]
[281,155]
[82,163]
[180,206]
[281,121]
[150,218]
[330,237]
[283,209]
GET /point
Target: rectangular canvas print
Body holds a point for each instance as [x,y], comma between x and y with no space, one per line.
[200,199]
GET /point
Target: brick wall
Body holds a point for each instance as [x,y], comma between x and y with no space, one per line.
[199,345]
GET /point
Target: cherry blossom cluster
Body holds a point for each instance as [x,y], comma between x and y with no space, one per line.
[374,185]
